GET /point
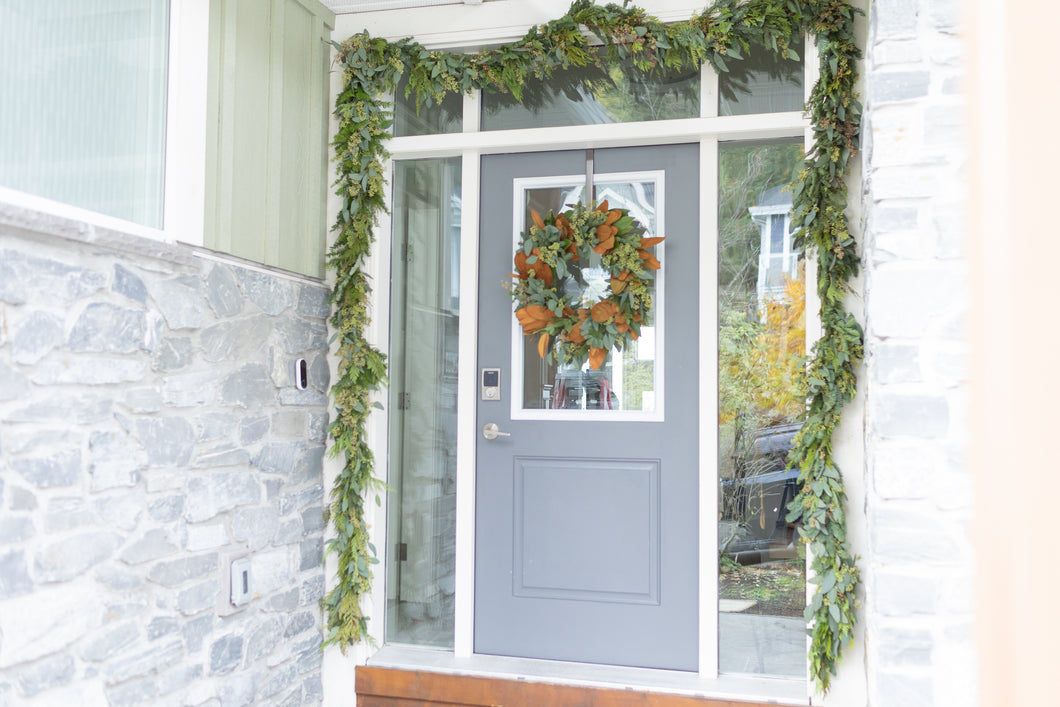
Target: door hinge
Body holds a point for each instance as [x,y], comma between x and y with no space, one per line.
[406,252]
[403,552]
[404,401]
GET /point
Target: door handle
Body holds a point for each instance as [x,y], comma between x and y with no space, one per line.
[491,431]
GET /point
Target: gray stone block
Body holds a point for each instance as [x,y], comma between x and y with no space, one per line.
[114,460]
[317,429]
[47,673]
[226,653]
[278,457]
[143,400]
[39,333]
[268,293]
[67,513]
[198,597]
[209,495]
[215,425]
[312,590]
[238,690]
[289,423]
[72,557]
[12,383]
[300,623]
[312,520]
[894,86]
[107,328]
[320,373]
[14,530]
[226,455]
[249,387]
[299,335]
[144,662]
[312,554]
[88,371]
[261,641]
[14,575]
[180,301]
[167,509]
[311,659]
[896,363]
[154,545]
[222,292]
[24,278]
[20,499]
[118,580]
[64,408]
[168,441]
[162,626]
[901,415]
[310,465]
[110,641]
[195,632]
[173,354]
[178,677]
[252,429]
[290,531]
[284,602]
[134,693]
[895,19]
[176,572]
[300,499]
[128,284]
[279,679]
[255,527]
[235,341]
[192,389]
[60,469]
[901,688]
[309,397]
[313,689]
[314,302]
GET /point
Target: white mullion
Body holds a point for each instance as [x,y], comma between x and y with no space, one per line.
[708,409]
[467,347]
[708,92]
[472,113]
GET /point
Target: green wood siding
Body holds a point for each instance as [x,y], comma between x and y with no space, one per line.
[266,184]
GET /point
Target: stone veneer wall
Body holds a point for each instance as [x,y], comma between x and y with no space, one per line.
[920,566]
[150,433]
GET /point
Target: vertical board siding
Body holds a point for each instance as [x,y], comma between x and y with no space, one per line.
[266,183]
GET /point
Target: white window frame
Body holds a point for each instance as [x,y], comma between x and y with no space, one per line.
[504,21]
[184,174]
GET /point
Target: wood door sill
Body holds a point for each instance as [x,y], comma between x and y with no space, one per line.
[394,687]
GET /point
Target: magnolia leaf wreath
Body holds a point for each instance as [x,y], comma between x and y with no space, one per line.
[579,310]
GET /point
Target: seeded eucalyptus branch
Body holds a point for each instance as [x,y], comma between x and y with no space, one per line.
[726,31]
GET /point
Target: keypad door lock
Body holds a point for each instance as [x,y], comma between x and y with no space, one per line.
[491,384]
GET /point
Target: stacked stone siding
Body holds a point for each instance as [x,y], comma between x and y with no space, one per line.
[150,434]
[920,563]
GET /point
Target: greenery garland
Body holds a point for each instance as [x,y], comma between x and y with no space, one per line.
[584,327]
[372,68]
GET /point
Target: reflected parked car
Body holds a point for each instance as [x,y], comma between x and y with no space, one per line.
[754,526]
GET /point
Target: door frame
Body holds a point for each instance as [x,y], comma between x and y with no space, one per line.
[470,145]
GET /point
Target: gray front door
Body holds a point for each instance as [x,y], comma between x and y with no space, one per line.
[587,515]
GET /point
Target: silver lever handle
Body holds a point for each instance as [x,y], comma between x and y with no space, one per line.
[491,431]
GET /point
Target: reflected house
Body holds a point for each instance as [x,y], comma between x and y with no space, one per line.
[777,257]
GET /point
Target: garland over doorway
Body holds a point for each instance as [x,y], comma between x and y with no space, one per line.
[727,30]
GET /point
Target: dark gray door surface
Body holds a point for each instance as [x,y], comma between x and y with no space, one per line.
[586,531]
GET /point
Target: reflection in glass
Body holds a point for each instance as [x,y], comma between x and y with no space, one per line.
[421,506]
[762,83]
[589,95]
[433,119]
[761,342]
[627,380]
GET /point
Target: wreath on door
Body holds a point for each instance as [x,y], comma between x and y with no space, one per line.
[576,308]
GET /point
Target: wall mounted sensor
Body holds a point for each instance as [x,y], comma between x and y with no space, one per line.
[301,374]
[240,581]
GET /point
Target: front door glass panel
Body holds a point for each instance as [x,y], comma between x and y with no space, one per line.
[629,383]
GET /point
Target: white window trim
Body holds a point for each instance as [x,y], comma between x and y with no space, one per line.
[504,21]
[185,144]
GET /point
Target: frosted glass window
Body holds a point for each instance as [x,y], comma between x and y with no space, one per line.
[84,103]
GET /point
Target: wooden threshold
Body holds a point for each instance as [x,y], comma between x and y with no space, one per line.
[390,687]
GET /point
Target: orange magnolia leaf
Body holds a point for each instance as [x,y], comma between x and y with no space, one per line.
[564,227]
[596,357]
[542,345]
[575,334]
[534,317]
[650,261]
[603,206]
[612,216]
[649,242]
[537,219]
[602,311]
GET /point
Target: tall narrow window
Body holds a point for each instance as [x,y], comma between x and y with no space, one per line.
[425,312]
[761,400]
[84,103]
